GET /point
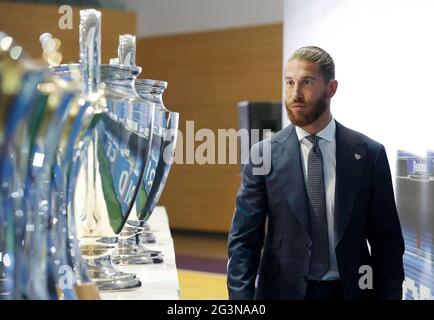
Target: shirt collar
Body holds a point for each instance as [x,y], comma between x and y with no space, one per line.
[328,133]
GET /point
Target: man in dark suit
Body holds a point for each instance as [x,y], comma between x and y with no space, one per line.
[332,226]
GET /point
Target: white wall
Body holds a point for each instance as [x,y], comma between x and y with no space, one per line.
[162,17]
[384,56]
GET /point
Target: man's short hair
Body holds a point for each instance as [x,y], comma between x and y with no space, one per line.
[318,55]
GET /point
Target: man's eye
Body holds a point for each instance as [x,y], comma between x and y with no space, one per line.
[290,83]
[308,82]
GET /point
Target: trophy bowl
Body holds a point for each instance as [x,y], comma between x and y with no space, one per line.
[130,250]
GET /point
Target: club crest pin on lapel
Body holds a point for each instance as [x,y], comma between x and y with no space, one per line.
[357,156]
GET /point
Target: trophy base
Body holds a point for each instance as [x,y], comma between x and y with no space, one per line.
[136,260]
[106,276]
[130,247]
[131,251]
[117,285]
[145,236]
[141,249]
[105,273]
[148,239]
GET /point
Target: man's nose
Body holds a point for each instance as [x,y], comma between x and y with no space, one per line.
[297,95]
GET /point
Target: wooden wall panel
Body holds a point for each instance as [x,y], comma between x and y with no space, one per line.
[208,74]
[26,22]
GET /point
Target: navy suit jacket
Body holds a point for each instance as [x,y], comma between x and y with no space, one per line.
[364,210]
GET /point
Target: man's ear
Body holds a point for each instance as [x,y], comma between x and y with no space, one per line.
[331,88]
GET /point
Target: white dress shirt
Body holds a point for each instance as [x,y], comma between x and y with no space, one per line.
[327,144]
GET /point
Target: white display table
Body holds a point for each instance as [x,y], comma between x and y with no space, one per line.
[159,281]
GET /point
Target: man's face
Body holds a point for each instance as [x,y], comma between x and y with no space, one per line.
[307,96]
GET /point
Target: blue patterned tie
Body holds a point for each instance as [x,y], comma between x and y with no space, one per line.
[320,260]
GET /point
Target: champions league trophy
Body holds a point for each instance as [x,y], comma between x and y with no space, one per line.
[153,90]
[77,123]
[43,194]
[106,175]
[111,171]
[35,108]
[19,81]
[130,250]
[31,100]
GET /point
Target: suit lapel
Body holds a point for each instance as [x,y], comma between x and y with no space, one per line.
[351,159]
[290,177]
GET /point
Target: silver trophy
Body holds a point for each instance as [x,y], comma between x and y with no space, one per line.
[36,112]
[110,173]
[98,193]
[130,249]
[33,101]
[19,94]
[45,196]
[78,126]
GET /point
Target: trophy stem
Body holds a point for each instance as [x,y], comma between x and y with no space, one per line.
[131,251]
[103,271]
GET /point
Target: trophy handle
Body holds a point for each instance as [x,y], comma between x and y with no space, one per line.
[90,50]
[127,50]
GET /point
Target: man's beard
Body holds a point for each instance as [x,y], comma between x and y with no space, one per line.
[300,120]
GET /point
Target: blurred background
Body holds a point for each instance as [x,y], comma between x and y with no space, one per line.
[216,54]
